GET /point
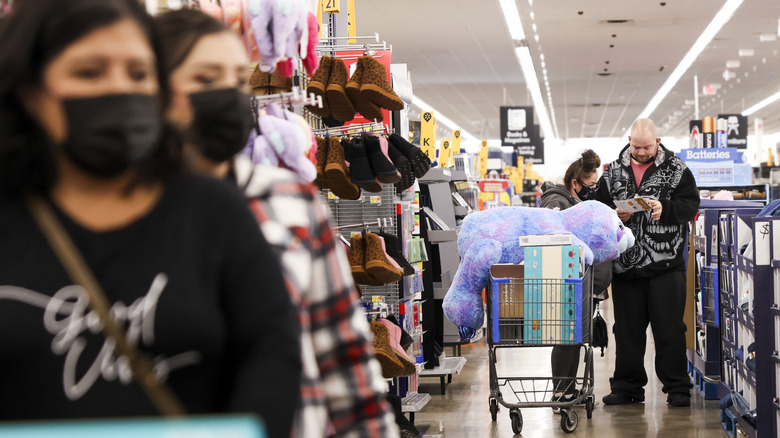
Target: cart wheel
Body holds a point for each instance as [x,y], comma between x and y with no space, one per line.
[589,406]
[517,421]
[493,408]
[569,420]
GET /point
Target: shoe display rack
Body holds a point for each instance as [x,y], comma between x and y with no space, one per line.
[373,213]
[750,323]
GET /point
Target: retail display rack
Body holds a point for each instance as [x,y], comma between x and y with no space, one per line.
[750,322]
[712,269]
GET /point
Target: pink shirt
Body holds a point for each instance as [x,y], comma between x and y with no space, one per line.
[639,171]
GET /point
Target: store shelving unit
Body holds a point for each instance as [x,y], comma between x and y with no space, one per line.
[712,267]
[750,317]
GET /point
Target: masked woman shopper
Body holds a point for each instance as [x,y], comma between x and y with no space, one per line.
[579,183]
[177,257]
[342,387]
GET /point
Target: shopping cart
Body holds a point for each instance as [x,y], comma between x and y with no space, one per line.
[524,312]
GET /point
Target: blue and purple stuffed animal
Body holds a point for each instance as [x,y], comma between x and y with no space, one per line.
[492,236]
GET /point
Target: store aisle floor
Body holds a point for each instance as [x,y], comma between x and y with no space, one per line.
[463,410]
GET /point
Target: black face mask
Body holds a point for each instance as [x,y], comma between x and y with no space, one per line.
[108,135]
[222,122]
[585,192]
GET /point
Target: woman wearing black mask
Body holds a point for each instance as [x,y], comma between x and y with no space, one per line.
[342,387]
[82,139]
[580,180]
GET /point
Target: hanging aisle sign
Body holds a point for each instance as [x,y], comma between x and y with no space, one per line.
[518,130]
[332,5]
[445,153]
[456,142]
[483,158]
[515,124]
[737,129]
[428,135]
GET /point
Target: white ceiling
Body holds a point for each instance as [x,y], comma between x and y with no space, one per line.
[462,61]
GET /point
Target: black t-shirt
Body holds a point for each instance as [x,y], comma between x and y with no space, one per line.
[193,282]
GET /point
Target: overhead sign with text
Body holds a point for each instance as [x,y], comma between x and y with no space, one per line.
[737,127]
[518,130]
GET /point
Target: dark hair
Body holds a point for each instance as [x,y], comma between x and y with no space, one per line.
[35,33]
[181,30]
[582,168]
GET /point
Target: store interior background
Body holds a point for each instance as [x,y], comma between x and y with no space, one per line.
[597,63]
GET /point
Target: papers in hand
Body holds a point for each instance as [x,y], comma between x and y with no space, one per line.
[633,205]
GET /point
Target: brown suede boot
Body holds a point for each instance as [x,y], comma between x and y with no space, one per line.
[280,82]
[391,366]
[357,262]
[259,79]
[340,106]
[365,107]
[322,159]
[336,172]
[377,263]
[375,86]
[317,85]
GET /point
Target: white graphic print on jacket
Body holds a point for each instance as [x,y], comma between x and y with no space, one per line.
[656,241]
[67,315]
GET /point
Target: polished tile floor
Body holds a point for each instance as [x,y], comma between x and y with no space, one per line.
[463,411]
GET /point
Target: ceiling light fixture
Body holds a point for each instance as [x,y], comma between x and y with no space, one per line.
[465,135]
[721,18]
[764,37]
[746,52]
[523,54]
[512,18]
[760,105]
[733,64]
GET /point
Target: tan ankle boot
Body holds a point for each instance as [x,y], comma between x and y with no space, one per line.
[375,86]
[317,85]
[340,106]
[322,159]
[336,172]
[378,264]
[365,107]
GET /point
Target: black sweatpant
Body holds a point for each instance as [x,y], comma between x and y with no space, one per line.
[659,301]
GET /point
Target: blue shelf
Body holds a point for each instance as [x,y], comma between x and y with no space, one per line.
[745,372]
[745,319]
[745,264]
[727,254]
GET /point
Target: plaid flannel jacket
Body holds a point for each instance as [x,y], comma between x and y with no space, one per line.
[343,391]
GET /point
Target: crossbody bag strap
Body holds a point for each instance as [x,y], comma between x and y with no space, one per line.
[158,392]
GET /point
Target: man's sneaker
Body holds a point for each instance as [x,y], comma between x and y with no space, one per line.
[617,398]
[679,399]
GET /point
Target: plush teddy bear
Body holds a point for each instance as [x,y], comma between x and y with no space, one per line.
[492,236]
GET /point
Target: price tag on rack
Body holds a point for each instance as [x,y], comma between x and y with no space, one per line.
[331,195]
[375,200]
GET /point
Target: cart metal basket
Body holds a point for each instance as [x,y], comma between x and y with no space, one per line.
[524,312]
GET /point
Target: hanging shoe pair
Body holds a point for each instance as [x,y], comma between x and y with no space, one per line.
[367,91]
[331,169]
[417,158]
[369,163]
[394,361]
[263,83]
[393,248]
[369,262]
[329,81]
[370,91]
